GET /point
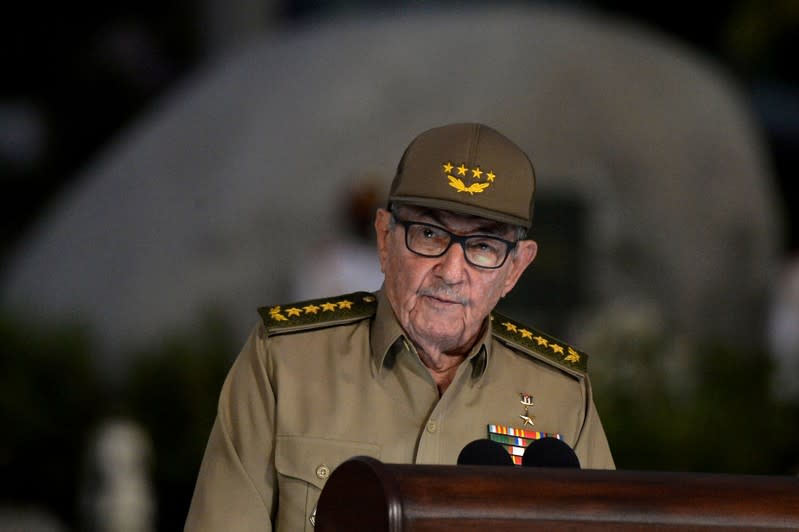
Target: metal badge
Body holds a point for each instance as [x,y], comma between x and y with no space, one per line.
[527,402]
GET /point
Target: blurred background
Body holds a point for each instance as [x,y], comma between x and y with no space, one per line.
[170,166]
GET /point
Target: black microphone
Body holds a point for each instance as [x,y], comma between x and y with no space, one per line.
[549,452]
[484,452]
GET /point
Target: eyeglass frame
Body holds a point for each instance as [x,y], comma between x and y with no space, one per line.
[453,238]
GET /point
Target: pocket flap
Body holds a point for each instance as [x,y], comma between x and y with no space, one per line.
[314,459]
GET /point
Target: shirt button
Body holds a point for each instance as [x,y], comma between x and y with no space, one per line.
[322,471]
[432,426]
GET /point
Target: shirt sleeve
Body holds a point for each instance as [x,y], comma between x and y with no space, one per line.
[236,485]
[592,447]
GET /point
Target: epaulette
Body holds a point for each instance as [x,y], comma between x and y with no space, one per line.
[317,313]
[537,343]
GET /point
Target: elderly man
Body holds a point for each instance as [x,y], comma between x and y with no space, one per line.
[412,373]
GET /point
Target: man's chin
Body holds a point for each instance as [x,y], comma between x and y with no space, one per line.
[447,336]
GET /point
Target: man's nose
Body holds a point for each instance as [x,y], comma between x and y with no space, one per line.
[452,264]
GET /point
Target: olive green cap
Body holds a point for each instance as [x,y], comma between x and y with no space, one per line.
[468,169]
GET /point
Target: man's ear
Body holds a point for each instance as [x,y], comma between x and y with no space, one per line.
[382,230]
[526,250]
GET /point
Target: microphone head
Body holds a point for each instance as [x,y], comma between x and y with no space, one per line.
[549,452]
[484,452]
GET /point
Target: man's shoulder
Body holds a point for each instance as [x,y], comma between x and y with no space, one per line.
[318,313]
[541,346]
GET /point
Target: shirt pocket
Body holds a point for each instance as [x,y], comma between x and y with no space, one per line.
[303,466]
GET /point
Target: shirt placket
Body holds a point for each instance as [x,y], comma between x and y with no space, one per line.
[434,430]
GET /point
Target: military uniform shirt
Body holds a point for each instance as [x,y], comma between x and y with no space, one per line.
[300,400]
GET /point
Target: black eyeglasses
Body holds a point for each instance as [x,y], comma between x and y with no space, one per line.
[481,251]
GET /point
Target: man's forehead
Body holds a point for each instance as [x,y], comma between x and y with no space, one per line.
[450,218]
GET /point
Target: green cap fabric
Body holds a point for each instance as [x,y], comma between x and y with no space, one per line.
[468,169]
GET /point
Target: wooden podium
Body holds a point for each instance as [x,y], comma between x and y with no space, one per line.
[366,494]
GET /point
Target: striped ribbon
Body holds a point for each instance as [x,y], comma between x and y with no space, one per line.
[516,440]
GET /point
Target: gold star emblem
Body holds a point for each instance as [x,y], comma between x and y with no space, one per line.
[573,356]
[275,314]
[556,348]
[345,304]
[462,170]
[328,307]
[311,309]
[293,311]
[526,334]
[509,326]
[476,172]
[490,176]
[448,167]
[540,340]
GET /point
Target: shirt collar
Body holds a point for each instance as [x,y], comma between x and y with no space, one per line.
[388,339]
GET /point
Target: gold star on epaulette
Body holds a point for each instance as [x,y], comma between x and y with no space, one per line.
[276,314]
[540,340]
[573,356]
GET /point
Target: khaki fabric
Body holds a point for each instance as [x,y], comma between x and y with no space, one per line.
[295,405]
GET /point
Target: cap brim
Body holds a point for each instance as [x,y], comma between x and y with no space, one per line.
[461,208]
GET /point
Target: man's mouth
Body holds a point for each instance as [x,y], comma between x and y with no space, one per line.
[448,299]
